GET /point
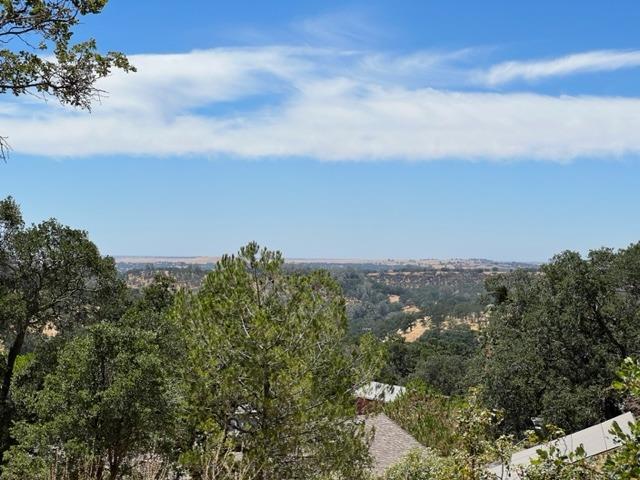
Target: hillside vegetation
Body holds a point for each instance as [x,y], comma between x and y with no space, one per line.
[247,371]
[381,301]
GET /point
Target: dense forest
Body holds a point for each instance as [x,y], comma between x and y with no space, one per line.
[381,300]
[385,301]
[247,370]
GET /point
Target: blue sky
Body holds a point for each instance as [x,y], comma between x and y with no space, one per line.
[358,130]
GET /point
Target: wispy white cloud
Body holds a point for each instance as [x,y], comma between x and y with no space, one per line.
[338,29]
[325,104]
[594,61]
[344,29]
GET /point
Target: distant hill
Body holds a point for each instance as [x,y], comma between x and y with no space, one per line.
[383,296]
[125,263]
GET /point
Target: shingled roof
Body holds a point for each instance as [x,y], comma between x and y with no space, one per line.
[390,442]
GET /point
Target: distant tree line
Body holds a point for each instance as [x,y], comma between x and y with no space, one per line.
[251,376]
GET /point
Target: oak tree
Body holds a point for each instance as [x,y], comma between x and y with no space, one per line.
[52,278]
[38,57]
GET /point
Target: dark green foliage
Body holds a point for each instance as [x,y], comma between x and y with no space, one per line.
[51,276]
[252,375]
[93,403]
[438,294]
[447,360]
[269,371]
[368,307]
[34,31]
[555,338]
[401,359]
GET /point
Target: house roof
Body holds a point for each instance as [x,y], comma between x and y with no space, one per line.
[595,440]
[390,442]
[380,391]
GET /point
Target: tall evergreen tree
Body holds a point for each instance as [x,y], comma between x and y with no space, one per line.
[269,370]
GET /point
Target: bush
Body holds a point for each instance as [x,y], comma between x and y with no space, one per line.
[430,417]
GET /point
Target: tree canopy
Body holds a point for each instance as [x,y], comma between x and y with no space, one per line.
[555,338]
[269,368]
[39,57]
[51,277]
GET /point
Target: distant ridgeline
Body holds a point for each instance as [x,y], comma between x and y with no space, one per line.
[383,297]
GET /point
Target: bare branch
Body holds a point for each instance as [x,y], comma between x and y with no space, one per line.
[4,148]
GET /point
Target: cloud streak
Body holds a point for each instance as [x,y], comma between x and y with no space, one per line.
[595,61]
[325,104]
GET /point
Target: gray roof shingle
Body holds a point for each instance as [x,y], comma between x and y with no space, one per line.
[390,442]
